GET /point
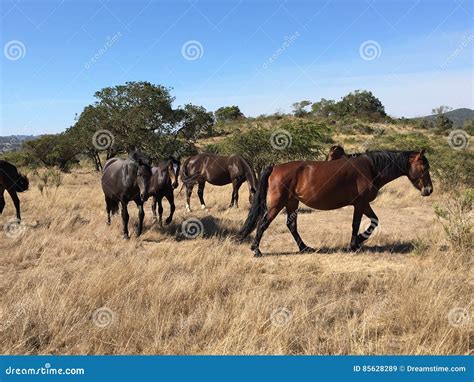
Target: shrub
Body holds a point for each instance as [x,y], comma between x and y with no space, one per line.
[455,217]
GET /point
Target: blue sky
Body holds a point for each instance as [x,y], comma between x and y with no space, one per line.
[260,55]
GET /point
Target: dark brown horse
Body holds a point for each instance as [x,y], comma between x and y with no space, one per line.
[11,181]
[124,181]
[331,185]
[163,181]
[337,152]
[219,171]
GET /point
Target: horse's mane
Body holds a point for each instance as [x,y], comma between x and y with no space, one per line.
[389,163]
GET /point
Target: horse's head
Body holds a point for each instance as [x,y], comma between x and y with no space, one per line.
[144,174]
[22,183]
[174,166]
[335,152]
[419,172]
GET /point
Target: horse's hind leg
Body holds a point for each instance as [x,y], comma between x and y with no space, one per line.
[262,226]
[201,194]
[236,183]
[16,202]
[125,218]
[189,191]
[374,222]
[170,198]
[108,208]
[291,223]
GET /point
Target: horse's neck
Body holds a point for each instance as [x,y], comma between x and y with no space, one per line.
[389,176]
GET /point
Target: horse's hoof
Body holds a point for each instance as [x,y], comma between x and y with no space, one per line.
[167,221]
[203,207]
[126,236]
[354,247]
[257,253]
[307,250]
[188,209]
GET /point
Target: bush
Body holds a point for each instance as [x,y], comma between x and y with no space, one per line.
[297,140]
[455,217]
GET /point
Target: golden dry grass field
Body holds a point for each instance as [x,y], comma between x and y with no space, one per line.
[69,284]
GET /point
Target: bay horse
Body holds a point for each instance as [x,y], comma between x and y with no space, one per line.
[330,185]
[217,170]
[124,181]
[163,181]
[12,181]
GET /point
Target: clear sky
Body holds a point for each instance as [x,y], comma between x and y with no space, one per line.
[260,55]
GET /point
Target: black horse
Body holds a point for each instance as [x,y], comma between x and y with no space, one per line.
[12,181]
[219,171]
[163,181]
[124,181]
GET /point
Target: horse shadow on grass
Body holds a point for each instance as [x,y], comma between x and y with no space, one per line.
[205,227]
[394,248]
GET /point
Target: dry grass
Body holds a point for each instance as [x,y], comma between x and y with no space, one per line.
[172,295]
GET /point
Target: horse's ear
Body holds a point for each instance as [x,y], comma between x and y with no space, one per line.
[422,152]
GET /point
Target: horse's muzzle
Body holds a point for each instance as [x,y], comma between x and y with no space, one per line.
[426,191]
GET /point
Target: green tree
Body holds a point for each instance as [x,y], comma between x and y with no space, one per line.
[442,122]
[299,108]
[362,104]
[324,108]
[228,113]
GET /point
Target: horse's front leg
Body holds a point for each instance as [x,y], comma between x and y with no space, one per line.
[160,211]
[2,201]
[153,207]
[374,222]
[170,198]
[16,202]
[141,216]
[125,218]
[356,218]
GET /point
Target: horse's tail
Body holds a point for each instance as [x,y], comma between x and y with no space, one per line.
[112,205]
[188,180]
[22,184]
[259,204]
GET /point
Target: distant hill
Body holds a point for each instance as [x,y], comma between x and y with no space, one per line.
[458,116]
[13,142]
